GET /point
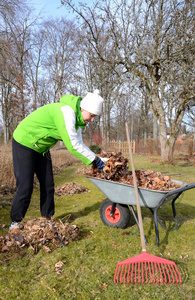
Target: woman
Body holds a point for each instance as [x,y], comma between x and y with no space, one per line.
[33,138]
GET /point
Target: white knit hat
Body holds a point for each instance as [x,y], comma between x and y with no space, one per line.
[92,103]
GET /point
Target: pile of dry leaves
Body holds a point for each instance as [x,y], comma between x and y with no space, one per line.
[116,169]
[70,189]
[39,233]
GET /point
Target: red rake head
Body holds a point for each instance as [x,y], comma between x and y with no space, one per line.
[146,268]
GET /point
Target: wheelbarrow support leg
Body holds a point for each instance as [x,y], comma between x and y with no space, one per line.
[156,225]
[136,219]
[159,221]
[174,214]
[174,211]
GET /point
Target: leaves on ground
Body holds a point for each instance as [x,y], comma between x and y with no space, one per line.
[58,267]
[39,233]
[70,189]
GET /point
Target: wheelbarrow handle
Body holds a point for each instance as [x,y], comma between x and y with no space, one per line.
[181,189]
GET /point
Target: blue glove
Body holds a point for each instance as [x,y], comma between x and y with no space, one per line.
[99,164]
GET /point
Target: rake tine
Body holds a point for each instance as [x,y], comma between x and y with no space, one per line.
[142,272]
[153,273]
[149,270]
[132,274]
[135,273]
[121,274]
[178,274]
[176,278]
[125,272]
[159,266]
[175,274]
[146,273]
[115,274]
[168,274]
[165,277]
[118,273]
[157,274]
[171,274]
[128,273]
[139,273]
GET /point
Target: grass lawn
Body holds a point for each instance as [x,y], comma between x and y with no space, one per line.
[88,265]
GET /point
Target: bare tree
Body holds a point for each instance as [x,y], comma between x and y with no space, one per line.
[98,75]
[61,55]
[154,41]
[14,37]
[10,6]
[33,63]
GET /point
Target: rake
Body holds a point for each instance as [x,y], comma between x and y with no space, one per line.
[144,268]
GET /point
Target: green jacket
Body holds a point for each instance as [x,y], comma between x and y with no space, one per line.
[52,122]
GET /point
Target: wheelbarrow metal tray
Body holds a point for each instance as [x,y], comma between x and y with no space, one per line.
[124,193]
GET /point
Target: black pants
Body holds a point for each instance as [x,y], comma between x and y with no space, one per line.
[28,162]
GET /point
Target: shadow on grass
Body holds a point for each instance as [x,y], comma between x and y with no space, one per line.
[182,267]
[71,216]
[166,218]
[184,214]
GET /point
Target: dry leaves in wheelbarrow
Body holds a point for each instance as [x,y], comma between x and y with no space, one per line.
[116,169]
[39,233]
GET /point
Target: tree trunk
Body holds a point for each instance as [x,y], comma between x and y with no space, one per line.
[35,99]
[6,134]
[155,134]
[166,144]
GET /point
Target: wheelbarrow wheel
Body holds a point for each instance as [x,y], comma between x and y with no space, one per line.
[121,215]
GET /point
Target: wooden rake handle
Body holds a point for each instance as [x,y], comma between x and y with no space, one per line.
[136,192]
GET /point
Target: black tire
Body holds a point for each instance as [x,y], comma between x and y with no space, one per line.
[121,216]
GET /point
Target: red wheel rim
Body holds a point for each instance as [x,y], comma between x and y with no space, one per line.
[116,216]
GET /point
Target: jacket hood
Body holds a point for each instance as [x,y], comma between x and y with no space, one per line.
[67,98]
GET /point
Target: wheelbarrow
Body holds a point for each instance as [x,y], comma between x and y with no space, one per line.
[114,210]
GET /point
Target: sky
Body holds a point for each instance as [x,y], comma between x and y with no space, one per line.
[53,8]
